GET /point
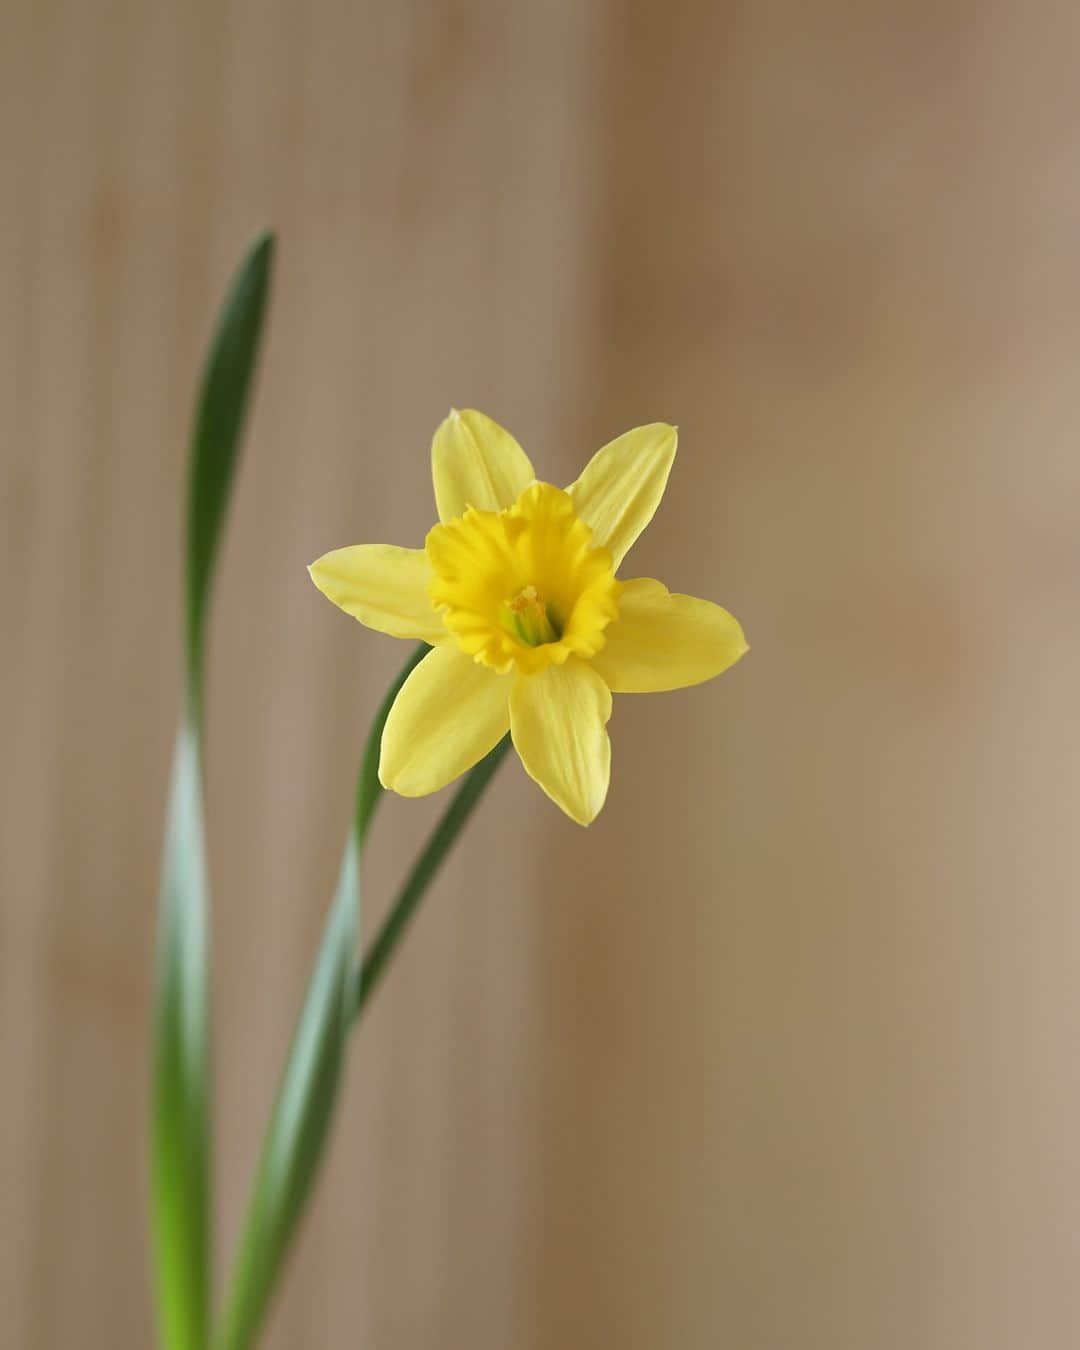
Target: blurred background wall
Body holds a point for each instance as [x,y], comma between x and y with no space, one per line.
[782,1053]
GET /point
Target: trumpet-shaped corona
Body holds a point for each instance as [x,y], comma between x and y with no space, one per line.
[525,588]
[515,590]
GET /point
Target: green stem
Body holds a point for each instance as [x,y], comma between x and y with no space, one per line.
[423,873]
[299,1126]
[368,788]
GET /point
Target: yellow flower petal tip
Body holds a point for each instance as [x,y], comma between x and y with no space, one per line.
[515,589]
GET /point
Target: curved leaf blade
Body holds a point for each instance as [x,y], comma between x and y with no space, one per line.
[180,1092]
[215,441]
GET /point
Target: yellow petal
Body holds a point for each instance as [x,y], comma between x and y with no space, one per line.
[449,714]
[664,641]
[557,721]
[475,462]
[621,486]
[384,587]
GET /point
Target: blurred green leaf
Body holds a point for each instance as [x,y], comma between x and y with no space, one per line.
[180,1095]
[180,1106]
[215,443]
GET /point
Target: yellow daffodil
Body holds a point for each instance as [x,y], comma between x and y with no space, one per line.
[515,590]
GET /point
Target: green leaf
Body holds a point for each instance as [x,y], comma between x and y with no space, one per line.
[298,1128]
[180,1092]
[215,442]
[180,1107]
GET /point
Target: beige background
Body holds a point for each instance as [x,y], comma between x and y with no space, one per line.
[782,1053]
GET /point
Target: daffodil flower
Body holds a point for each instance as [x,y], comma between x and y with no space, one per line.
[515,590]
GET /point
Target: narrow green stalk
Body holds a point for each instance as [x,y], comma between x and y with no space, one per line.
[369,790]
[423,873]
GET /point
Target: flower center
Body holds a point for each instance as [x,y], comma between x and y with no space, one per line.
[523,588]
[526,616]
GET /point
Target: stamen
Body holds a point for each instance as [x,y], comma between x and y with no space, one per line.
[527,618]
